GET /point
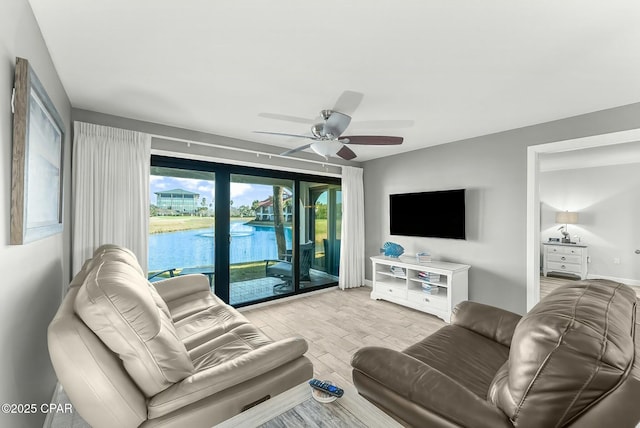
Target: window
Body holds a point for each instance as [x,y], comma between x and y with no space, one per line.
[256,234]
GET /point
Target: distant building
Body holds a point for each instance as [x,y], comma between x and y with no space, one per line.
[264,211]
[178,201]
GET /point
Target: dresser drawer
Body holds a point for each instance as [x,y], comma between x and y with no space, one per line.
[564,258]
[564,267]
[434,301]
[391,291]
[561,249]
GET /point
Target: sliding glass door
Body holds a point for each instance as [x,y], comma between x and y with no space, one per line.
[324,219]
[256,234]
[261,255]
[181,224]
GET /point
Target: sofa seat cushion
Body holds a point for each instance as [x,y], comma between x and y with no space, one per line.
[208,324]
[228,346]
[469,358]
[185,306]
[235,357]
[118,305]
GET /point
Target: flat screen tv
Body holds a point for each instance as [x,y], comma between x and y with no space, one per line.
[439,214]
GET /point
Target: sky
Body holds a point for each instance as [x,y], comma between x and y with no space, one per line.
[241,193]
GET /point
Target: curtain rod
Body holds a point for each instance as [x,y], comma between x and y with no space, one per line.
[239,149]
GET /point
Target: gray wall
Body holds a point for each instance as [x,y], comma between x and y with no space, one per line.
[607,200]
[493,170]
[33,275]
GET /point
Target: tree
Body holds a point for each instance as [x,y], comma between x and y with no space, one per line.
[278,219]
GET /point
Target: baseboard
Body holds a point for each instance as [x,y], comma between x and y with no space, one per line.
[286,299]
[368,283]
[627,281]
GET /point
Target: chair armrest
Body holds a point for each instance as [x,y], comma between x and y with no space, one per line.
[491,322]
[427,387]
[225,375]
[181,286]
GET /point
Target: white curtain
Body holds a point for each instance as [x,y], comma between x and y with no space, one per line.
[110,190]
[352,255]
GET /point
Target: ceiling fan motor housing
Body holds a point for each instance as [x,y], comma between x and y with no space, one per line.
[318,131]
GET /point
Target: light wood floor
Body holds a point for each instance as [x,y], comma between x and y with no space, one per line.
[337,323]
[549,283]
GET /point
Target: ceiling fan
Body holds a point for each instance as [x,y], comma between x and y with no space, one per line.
[326,135]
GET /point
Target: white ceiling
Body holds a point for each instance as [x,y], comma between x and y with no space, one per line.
[458,69]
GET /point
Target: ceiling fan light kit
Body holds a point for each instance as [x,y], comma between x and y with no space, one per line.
[326,148]
[326,135]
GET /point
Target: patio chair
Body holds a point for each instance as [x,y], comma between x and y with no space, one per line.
[156,276]
[284,268]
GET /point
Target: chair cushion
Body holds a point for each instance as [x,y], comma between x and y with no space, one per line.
[467,357]
[569,351]
[235,357]
[280,269]
[208,324]
[118,305]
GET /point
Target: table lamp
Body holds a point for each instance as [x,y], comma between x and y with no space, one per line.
[565,218]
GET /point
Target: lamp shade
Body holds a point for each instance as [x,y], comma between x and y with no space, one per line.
[326,148]
[566,217]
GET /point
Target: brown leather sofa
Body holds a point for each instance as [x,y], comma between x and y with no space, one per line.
[572,361]
[171,354]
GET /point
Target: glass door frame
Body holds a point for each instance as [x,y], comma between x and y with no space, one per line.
[222,211]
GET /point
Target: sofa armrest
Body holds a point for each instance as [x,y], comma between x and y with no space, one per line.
[427,387]
[491,322]
[225,375]
[181,286]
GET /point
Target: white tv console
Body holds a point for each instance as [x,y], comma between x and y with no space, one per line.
[406,290]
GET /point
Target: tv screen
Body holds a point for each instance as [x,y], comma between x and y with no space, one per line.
[438,214]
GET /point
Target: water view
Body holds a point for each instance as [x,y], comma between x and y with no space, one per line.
[196,247]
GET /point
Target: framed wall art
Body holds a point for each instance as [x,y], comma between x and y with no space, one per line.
[37,165]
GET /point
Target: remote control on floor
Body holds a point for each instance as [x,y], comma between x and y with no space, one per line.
[326,387]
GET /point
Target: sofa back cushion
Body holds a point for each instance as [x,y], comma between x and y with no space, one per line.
[117,304]
[573,348]
[124,255]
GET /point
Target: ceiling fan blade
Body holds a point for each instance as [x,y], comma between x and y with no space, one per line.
[287,118]
[284,134]
[373,140]
[297,149]
[346,153]
[337,123]
[377,124]
[348,102]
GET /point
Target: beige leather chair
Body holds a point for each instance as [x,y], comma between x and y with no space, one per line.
[171,354]
[572,361]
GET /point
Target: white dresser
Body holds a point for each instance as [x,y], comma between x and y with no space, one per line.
[565,258]
[404,286]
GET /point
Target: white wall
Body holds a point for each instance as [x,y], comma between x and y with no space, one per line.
[493,169]
[33,275]
[608,202]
